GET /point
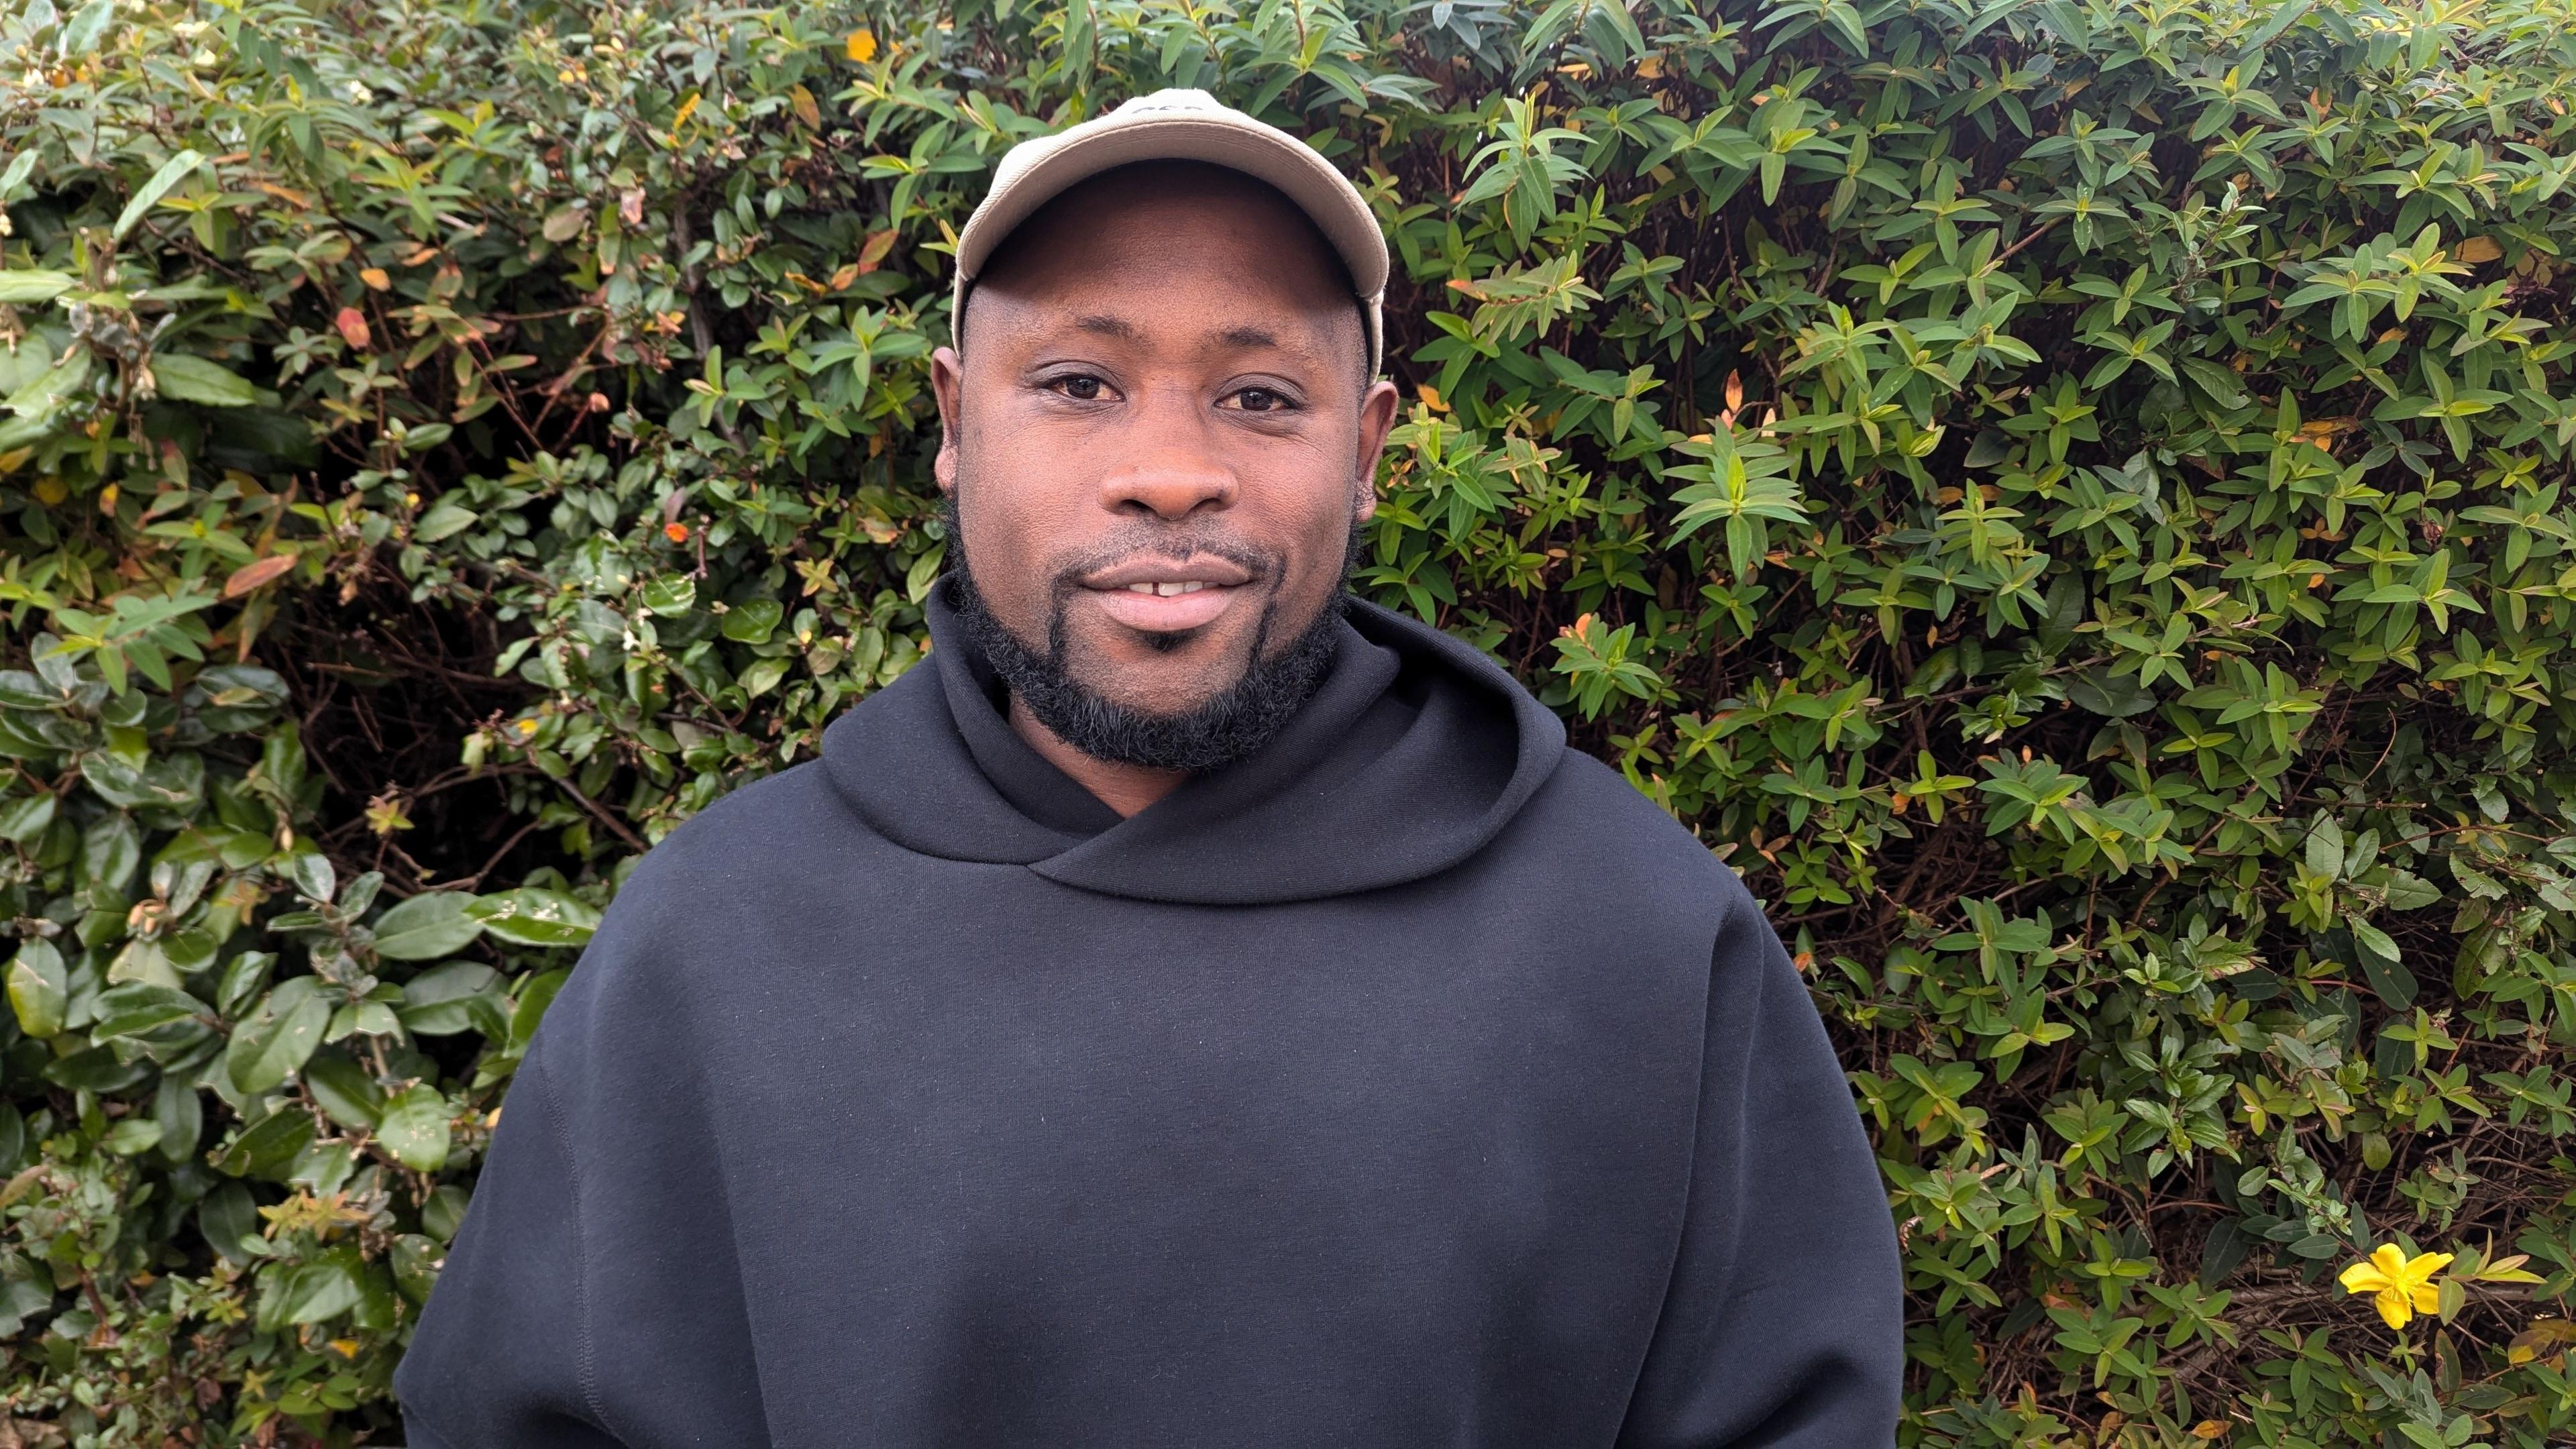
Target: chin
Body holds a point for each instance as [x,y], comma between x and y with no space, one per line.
[1171,643]
[1117,655]
[1158,692]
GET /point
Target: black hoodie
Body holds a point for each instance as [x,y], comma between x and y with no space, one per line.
[1412,1082]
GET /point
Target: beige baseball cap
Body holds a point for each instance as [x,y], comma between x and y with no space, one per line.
[1182,125]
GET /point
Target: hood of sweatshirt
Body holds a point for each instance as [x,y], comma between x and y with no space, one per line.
[1414,753]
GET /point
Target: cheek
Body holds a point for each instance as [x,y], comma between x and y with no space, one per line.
[1325,509]
[1005,543]
[1327,541]
[1031,484]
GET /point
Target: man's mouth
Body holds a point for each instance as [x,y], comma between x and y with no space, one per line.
[1165,596]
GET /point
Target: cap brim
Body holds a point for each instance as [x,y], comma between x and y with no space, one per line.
[1304,177]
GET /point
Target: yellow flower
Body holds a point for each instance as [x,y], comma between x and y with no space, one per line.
[2400,1287]
[861,46]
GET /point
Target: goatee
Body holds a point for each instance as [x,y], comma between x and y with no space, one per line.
[1229,725]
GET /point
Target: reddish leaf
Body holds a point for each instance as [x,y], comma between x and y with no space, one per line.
[257,572]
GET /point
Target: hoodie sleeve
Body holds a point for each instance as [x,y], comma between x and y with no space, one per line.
[593,1297]
[500,1359]
[1784,1323]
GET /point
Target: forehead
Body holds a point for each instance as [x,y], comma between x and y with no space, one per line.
[1177,242]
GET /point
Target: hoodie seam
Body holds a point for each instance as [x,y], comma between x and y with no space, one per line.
[1692,1195]
[1743,1080]
[724,1197]
[417,1429]
[585,1354]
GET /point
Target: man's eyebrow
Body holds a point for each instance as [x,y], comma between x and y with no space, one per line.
[1239,336]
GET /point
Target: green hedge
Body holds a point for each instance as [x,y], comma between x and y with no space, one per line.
[2068,496]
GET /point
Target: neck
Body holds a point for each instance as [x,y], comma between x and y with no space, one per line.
[1123,788]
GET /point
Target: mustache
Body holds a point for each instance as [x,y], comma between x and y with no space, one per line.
[1179,544]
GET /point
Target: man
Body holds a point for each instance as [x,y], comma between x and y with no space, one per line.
[1192,1008]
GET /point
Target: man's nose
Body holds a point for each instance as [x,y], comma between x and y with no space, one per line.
[1174,470]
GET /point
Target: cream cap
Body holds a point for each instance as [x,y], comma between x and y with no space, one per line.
[1182,125]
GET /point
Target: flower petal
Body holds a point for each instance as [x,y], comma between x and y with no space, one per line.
[2422,1268]
[2392,1306]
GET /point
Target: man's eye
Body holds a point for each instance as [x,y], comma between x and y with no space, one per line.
[1261,400]
[1081,387]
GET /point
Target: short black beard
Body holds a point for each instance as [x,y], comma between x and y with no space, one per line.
[1237,721]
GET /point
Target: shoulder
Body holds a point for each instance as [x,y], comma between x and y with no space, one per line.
[1589,799]
[739,868]
[1598,827]
[754,829]
[1657,869]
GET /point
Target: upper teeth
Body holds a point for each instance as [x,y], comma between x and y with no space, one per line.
[1167,590]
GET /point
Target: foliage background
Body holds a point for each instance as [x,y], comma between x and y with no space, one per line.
[2068,495]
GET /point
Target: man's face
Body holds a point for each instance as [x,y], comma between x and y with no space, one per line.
[1163,434]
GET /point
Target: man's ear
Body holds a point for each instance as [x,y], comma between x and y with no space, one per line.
[1377,416]
[947,376]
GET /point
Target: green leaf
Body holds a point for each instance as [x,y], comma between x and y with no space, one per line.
[22,821]
[194,379]
[171,173]
[533,1000]
[415,1261]
[2409,892]
[241,979]
[565,222]
[533,916]
[177,1107]
[133,1135]
[145,962]
[276,1040]
[37,988]
[753,621]
[2324,848]
[427,926]
[763,676]
[21,288]
[99,1069]
[38,397]
[443,521]
[2381,965]
[313,874]
[671,597]
[141,1007]
[80,34]
[226,1217]
[444,1213]
[294,1294]
[2118,696]
[2283,17]
[344,1089]
[414,1128]
[440,1002]
[111,850]
[267,1146]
